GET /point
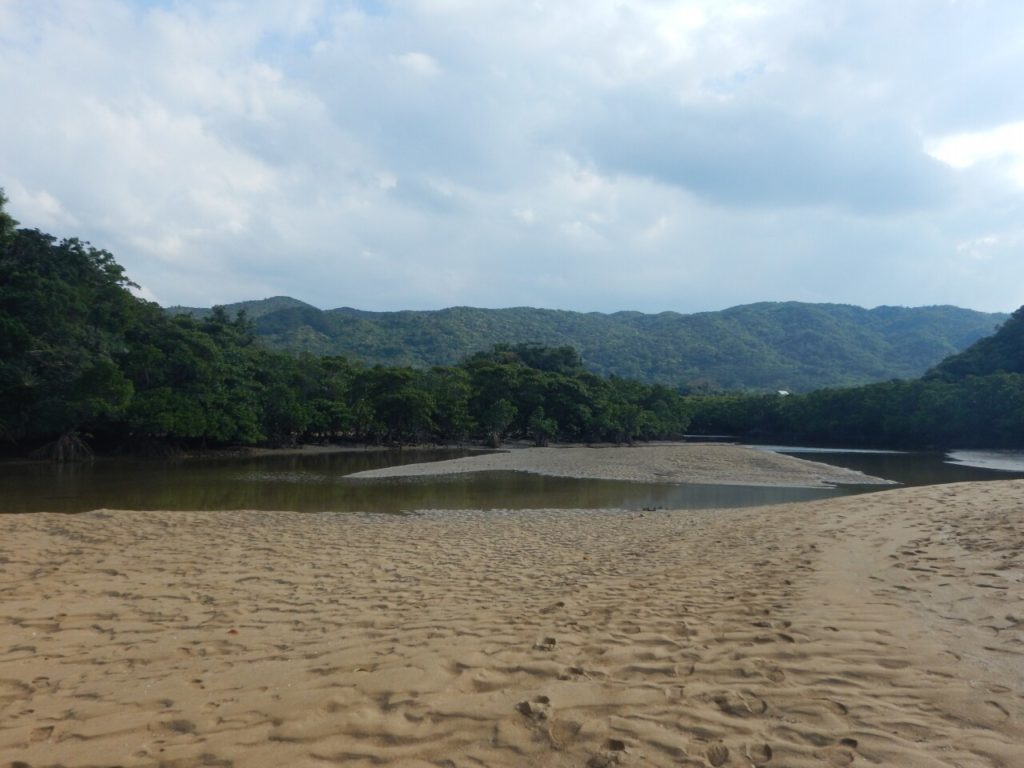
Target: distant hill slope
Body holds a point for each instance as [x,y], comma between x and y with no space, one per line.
[1003,352]
[254,309]
[791,345]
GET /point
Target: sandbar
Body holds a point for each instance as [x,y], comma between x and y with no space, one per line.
[698,463]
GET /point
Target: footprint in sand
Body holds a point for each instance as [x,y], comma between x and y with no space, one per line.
[538,708]
[838,707]
[545,644]
[758,754]
[893,663]
[615,750]
[740,704]
[837,756]
[563,732]
[573,673]
[685,630]
[1003,711]
[771,672]
[717,754]
[179,726]
[41,734]
[487,681]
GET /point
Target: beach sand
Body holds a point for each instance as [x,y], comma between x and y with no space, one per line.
[881,629]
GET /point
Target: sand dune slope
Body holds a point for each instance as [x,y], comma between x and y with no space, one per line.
[872,630]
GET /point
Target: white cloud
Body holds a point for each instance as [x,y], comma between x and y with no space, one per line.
[387,180]
[144,293]
[1001,144]
[979,249]
[419,64]
[525,215]
[40,207]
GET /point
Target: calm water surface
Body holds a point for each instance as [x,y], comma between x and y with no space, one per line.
[316,483]
[914,468]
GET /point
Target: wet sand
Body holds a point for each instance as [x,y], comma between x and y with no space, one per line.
[880,629]
[701,463]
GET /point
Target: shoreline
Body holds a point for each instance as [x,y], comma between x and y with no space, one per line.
[877,629]
[249,451]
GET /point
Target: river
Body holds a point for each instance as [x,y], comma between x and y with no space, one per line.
[316,483]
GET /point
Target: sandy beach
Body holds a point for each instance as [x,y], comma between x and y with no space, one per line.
[882,629]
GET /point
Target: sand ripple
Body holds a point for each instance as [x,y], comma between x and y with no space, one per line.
[881,629]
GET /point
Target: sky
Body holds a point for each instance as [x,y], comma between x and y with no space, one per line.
[573,154]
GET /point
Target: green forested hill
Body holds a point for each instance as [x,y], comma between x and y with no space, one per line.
[1003,352]
[973,399]
[766,346]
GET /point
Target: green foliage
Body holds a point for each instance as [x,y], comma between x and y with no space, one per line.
[975,412]
[450,391]
[65,309]
[194,381]
[8,225]
[972,399]
[403,408]
[496,419]
[767,346]
[542,429]
[1002,352]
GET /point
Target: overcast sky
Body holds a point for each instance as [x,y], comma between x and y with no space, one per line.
[571,154]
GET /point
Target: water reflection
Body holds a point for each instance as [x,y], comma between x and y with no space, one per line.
[519,490]
[1001,461]
[907,468]
[318,483]
[315,483]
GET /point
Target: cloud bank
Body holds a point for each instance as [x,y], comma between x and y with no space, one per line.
[582,155]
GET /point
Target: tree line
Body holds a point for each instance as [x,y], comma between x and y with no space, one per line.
[84,363]
[976,412]
[974,399]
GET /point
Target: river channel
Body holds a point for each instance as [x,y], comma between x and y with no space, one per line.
[318,483]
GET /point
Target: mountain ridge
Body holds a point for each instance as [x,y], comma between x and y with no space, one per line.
[797,346]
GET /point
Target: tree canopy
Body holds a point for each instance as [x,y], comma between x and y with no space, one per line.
[81,355]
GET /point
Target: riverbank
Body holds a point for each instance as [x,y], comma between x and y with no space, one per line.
[702,463]
[878,629]
[170,453]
